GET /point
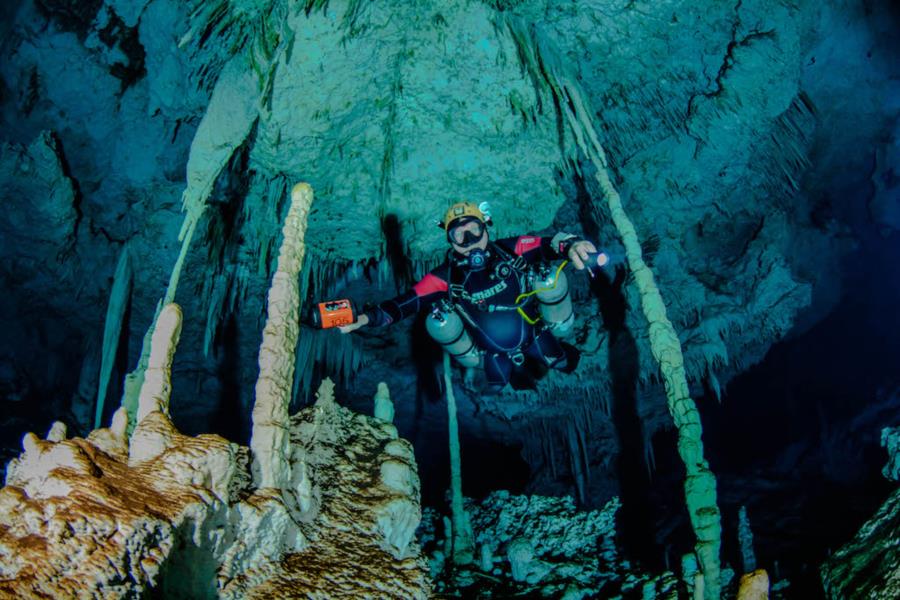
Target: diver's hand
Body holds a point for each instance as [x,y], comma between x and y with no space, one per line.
[579,251]
[361,320]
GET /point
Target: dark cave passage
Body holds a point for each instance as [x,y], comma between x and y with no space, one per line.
[796,438]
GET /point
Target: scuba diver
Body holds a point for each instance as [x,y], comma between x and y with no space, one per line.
[495,304]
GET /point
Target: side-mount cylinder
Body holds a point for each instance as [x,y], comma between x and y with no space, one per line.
[447,329]
[554,300]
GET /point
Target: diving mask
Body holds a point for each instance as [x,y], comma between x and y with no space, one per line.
[466,232]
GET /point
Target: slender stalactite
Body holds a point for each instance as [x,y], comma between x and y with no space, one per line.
[270,443]
[700,483]
[233,110]
[548,72]
[115,313]
[463,539]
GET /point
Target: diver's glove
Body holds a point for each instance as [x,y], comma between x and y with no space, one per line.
[361,321]
[578,251]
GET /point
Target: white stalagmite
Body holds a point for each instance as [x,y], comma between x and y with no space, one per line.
[57,432]
[157,386]
[384,407]
[270,442]
[149,442]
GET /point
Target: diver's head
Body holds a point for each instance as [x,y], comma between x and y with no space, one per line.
[466,227]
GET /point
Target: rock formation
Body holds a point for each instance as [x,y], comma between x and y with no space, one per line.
[541,547]
[82,518]
[740,136]
[378,134]
[330,510]
[869,565]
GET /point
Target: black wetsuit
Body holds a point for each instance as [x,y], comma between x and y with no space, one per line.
[485,299]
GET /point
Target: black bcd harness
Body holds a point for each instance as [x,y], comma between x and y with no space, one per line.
[505,264]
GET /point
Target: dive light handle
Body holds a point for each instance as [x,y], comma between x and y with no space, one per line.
[598,260]
[611,260]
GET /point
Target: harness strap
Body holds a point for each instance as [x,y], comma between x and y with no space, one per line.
[456,339]
[516,263]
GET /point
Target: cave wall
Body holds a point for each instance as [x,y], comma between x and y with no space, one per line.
[733,131]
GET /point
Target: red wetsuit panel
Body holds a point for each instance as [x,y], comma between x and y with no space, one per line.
[526,243]
[429,285]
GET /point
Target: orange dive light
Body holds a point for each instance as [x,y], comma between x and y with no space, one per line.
[333,313]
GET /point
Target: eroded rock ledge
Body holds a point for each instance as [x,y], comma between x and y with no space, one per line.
[869,565]
[86,518]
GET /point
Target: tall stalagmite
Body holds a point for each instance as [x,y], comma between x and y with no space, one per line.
[270,442]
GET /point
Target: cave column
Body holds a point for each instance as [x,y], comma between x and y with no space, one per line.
[229,119]
[700,483]
[463,538]
[549,71]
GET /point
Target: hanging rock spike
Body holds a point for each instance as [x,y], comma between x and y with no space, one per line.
[700,483]
[112,327]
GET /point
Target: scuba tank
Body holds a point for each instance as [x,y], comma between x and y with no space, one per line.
[445,326]
[555,303]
